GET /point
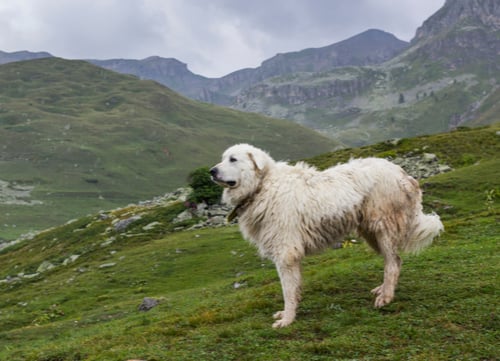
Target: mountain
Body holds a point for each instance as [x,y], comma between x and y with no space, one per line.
[444,79]
[21,56]
[461,33]
[371,47]
[367,88]
[167,71]
[75,137]
[373,86]
[368,48]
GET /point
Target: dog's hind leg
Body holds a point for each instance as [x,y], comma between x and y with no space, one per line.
[392,267]
[291,279]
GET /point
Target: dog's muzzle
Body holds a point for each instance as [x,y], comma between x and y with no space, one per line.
[214,173]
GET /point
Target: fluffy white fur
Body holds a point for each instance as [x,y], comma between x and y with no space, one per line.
[291,211]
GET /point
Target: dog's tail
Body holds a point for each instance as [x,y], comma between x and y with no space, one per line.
[425,228]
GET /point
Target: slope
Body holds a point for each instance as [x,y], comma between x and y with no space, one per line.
[82,138]
[216,296]
[438,83]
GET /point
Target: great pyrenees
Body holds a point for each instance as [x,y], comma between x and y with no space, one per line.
[289,211]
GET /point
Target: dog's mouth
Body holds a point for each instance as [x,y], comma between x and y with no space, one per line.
[223,183]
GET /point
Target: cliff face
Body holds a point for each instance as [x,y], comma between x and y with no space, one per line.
[459,14]
[368,48]
[303,91]
[461,33]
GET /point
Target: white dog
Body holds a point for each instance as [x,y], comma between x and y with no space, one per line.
[291,211]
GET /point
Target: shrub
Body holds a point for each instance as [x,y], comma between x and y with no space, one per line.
[204,190]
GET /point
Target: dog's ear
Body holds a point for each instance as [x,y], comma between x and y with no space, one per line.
[259,160]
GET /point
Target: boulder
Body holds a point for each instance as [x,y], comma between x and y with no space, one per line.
[122,225]
[44,266]
[70,259]
[150,226]
[147,304]
[108,265]
[184,216]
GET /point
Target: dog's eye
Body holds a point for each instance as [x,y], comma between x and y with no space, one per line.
[232,159]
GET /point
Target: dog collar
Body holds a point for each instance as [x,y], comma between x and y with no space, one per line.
[233,214]
[243,205]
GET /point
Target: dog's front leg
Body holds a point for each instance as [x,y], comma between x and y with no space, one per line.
[291,280]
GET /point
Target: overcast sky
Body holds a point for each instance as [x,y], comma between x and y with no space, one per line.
[214,37]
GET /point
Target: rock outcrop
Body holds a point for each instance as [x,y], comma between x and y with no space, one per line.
[462,32]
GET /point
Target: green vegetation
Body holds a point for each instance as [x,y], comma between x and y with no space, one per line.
[446,306]
[204,190]
[89,139]
[465,146]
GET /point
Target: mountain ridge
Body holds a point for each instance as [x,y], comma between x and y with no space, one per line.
[22,55]
[76,136]
[369,47]
[366,48]
[450,60]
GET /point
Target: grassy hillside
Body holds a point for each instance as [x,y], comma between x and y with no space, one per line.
[446,306]
[85,138]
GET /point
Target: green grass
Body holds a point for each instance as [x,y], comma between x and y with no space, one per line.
[88,139]
[464,146]
[446,305]
[441,312]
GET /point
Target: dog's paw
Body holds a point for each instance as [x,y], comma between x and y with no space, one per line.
[377,290]
[278,315]
[282,323]
[282,319]
[383,300]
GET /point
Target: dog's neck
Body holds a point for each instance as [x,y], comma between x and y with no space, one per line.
[243,205]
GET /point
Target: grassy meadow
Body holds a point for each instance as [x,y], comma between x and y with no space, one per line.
[217,296]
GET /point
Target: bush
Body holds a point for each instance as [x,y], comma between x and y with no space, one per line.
[204,190]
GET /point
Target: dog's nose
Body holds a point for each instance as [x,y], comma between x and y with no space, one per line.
[213,172]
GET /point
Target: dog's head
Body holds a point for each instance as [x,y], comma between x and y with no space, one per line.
[241,170]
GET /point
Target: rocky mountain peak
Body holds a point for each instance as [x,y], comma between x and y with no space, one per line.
[367,48]
[461,14]
[461,33]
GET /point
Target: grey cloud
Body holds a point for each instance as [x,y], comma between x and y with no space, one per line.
[213,37]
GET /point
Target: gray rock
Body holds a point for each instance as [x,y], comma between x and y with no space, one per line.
[45,266]
[70,259]
[184,216]
[122,225]
[429,157]
[150,226]
[237,285]
[147,304]
[108,265]
[444,168]
[31,275]
[108,242]
[421,165]
[217,220]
